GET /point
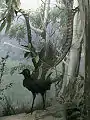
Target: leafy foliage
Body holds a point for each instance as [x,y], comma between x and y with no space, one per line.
[58,14]
[3,88]
[7,14]
[73,112]
[3,64]
[37,17]
[20,67]
[74,91]
[8,109]
[76,106]
[17,31]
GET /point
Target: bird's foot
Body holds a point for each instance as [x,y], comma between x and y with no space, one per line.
[44,108]
[31,111]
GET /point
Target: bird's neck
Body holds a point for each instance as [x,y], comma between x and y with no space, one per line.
[26,76]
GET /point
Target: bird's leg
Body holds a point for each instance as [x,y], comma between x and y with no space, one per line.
[34,95]
[43,101]
[45,96]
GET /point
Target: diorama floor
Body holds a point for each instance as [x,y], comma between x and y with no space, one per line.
[55,112]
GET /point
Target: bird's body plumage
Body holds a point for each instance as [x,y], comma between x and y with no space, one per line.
[36,86]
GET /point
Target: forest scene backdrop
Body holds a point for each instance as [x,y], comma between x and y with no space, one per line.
[51,42]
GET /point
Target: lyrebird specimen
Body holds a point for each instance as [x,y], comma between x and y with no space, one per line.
[36,86]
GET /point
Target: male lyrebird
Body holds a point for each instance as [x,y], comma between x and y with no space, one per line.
[36,86]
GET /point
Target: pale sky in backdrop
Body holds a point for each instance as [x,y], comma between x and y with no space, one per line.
[32,4]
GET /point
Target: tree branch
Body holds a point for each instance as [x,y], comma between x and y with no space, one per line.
[47,7]
[36,29]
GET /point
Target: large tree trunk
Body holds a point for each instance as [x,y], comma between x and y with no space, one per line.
[85,17]
[87,57]
[75,51]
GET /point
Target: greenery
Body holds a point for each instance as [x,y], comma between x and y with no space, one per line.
[17,31]
[44,60]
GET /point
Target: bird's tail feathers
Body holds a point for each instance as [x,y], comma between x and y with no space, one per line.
[48,77]
[57,79]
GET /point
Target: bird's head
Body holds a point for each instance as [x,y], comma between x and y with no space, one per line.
[25,72]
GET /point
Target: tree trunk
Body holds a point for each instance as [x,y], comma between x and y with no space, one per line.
[87,58]
[85,17]
[75,52]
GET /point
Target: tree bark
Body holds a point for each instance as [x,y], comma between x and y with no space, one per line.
[85,17]
[87,58]
[75,52]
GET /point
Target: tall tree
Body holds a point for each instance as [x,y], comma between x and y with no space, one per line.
[76,48]
[85,17]
[87,57]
